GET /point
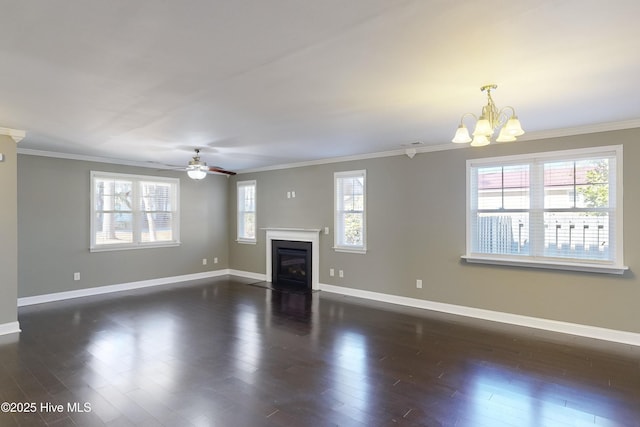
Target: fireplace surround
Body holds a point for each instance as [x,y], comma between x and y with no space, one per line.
[294,235]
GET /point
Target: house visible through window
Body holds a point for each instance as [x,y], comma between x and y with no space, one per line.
[246,211]
[350,211]
[133,211]
[562,207]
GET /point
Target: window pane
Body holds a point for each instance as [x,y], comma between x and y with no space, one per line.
[155,196]
[593,180]
[113,228]
[353,228]
[352,190]
[559,185]
[113,195]
[156,227]
[490,188]
[502,234]
[247,225]
[503,187]
[516,187]
[583,235]
[247,198]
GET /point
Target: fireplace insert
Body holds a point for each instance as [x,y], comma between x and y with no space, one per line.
[291,264]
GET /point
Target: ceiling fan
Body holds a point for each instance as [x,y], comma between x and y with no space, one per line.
[198,169]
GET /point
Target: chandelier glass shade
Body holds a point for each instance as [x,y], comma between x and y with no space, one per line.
[489,121]
[196,173]
[197,169]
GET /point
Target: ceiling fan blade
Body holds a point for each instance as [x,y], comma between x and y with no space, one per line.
[216,169]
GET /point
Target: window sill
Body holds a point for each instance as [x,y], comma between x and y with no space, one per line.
[246,242]
[129,247]
[554,265]
[350,250]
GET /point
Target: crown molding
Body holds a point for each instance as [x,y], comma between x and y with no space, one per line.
[581,130]
[16,134]
[410,151]
[97,159]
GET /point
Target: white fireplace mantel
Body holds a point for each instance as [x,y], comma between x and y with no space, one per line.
[297,235]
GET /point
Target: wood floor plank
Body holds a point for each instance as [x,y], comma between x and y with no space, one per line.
[227,352]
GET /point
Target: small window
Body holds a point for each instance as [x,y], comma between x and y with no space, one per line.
[561,209]
[133,211]
[246,211]
[350,211]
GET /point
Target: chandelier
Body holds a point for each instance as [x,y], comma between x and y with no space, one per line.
[490,120]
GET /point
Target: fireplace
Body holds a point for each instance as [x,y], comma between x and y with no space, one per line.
[291,267]
[295,235]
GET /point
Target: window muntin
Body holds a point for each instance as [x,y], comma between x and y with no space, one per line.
[246,211]
[350,211]
[562,207]
[133,211]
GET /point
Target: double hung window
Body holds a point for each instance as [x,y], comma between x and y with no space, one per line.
[246,211]
[133,211]
[560,209]
[350,211]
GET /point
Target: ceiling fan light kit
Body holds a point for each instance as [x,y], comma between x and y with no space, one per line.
[197,169]
[489,121]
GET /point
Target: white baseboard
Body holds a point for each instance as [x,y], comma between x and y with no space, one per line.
[58,296]
[9,328]
[249,275]
[612,335]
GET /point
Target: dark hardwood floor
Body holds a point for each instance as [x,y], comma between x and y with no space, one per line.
[227,353]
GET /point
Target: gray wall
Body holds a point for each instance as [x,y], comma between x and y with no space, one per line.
[416,230]
[8,232]
[53,229]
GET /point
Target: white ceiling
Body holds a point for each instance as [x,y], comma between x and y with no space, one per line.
[256,83]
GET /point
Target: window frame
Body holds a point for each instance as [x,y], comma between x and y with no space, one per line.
[338,246]
[239,212]
[536,186]
[137,242]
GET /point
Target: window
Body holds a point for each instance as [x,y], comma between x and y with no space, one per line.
[557,210]
[350,206]
[133,211]
[246,211]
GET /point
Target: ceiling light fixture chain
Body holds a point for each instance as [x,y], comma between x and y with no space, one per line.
[490,120]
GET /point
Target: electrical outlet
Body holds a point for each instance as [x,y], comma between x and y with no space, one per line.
[293,194]
[326,230]
[419,283]
[76,276]
[204,261]
[215,260]
[288,194]
[340,273]
[332,272]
